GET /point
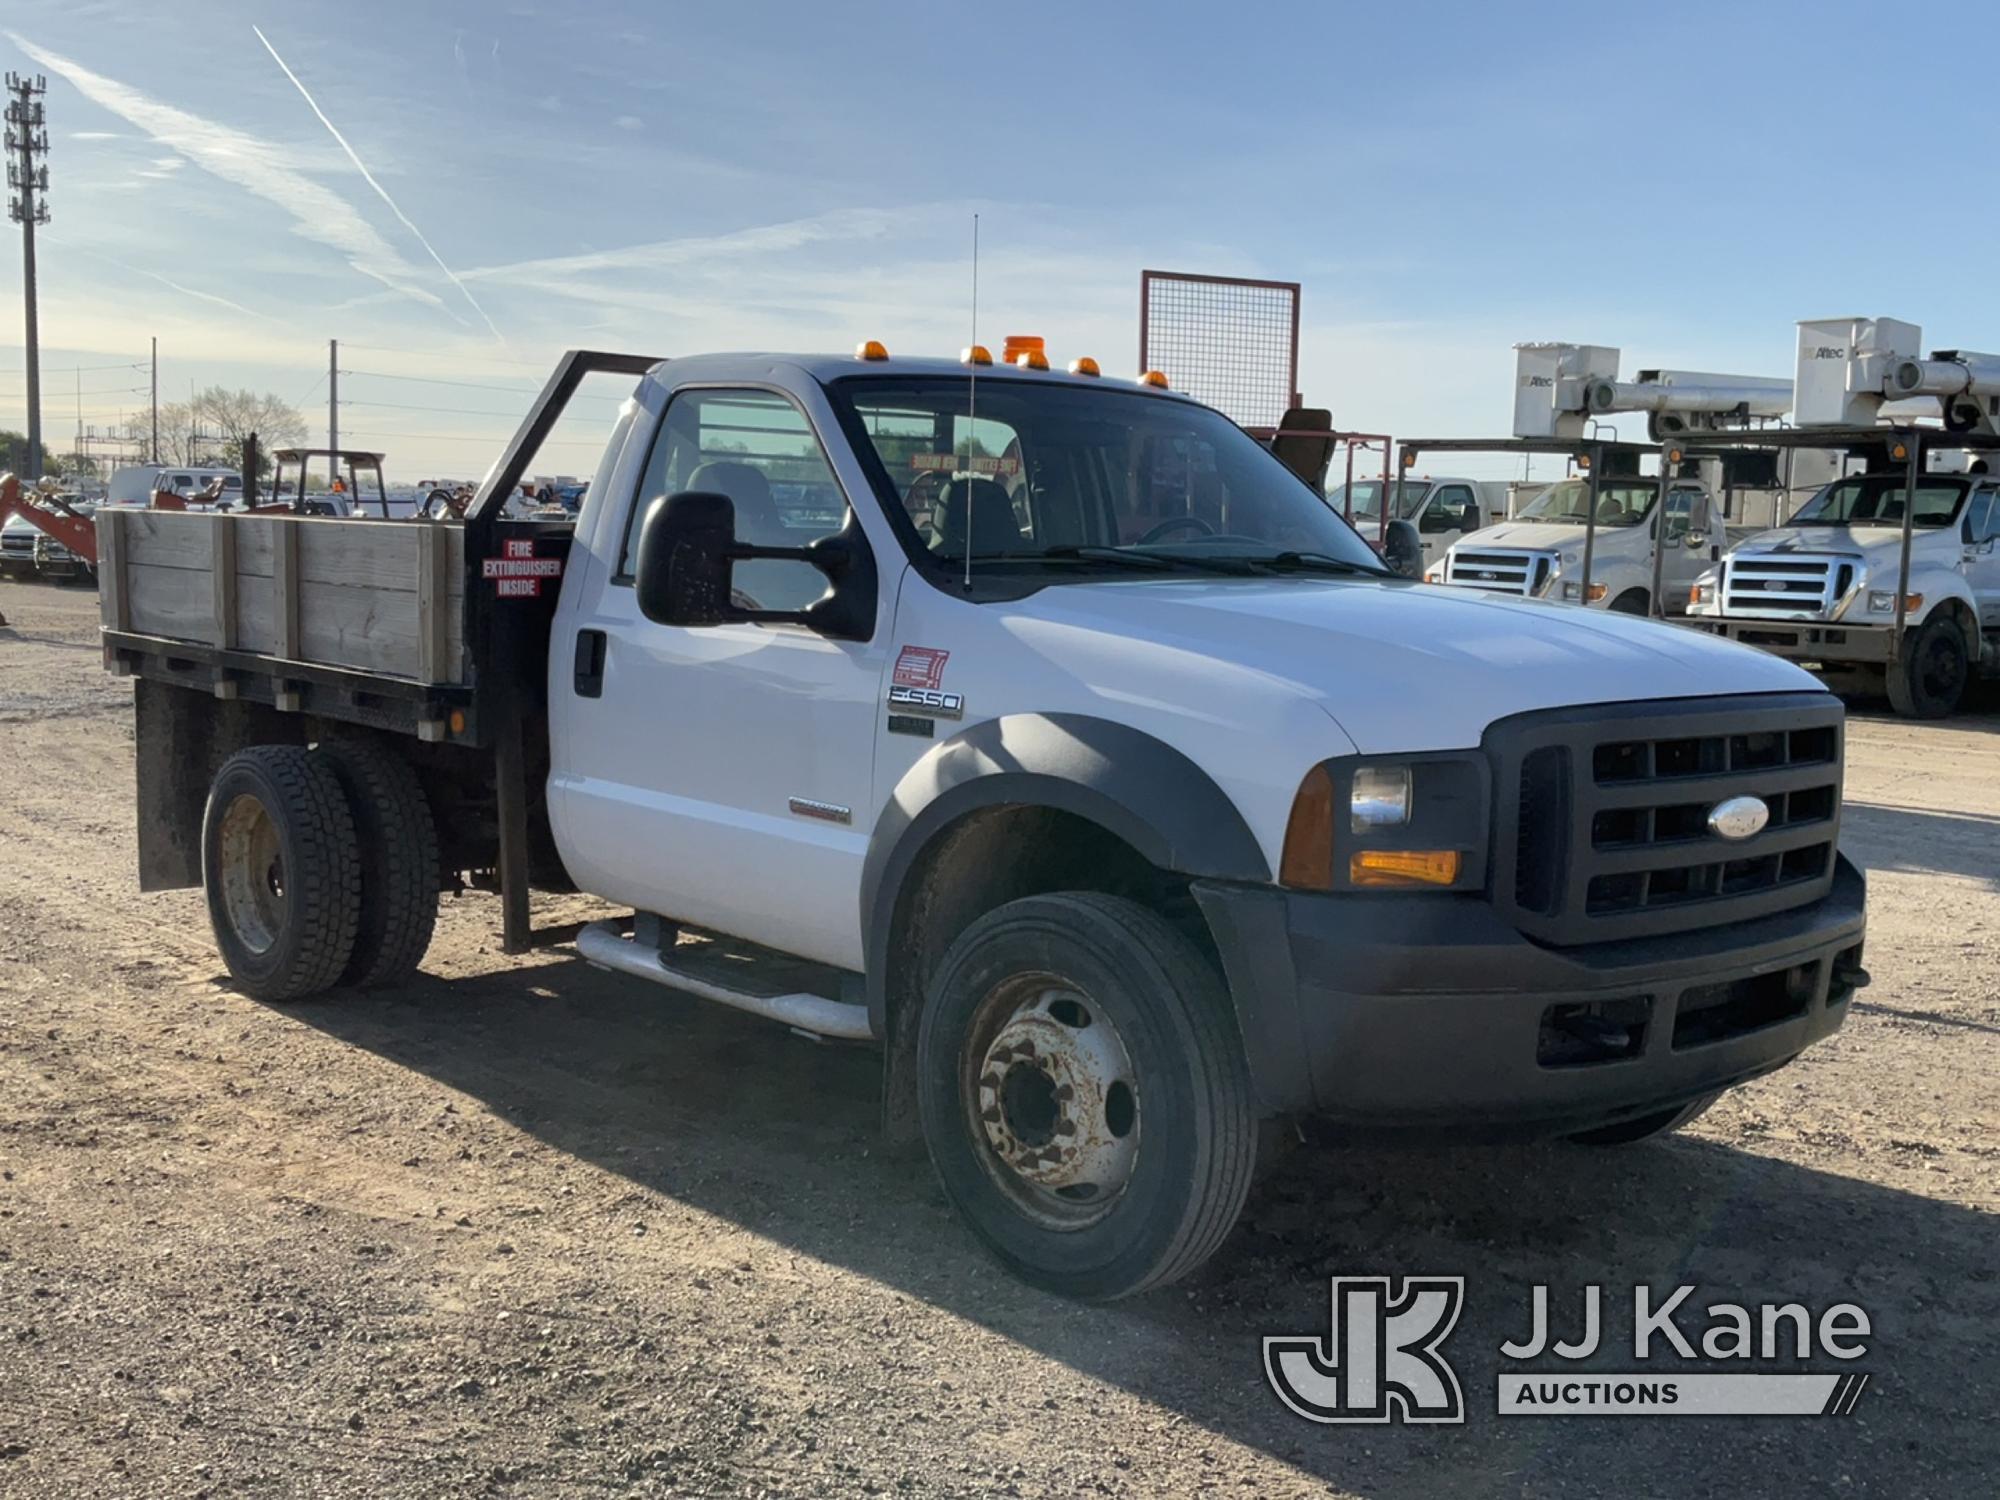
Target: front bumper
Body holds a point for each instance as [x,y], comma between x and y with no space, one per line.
[1430,1014]
[1806,640]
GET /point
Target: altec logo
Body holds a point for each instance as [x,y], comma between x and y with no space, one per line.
[1379,1361]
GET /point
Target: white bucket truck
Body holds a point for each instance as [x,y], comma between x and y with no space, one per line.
[1590,538]
[1889,577]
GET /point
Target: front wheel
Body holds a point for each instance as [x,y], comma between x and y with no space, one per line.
[1084,1094]
[1632,602]
[1928,680]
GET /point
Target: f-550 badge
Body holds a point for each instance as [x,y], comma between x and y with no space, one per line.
[929,702]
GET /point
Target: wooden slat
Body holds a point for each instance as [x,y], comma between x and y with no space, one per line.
[434,611]
[284,624]
[113,600]
[222,581]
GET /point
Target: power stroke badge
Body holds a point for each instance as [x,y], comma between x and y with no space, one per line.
[1383,1359]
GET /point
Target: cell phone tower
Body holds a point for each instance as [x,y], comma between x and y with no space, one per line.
[27,205]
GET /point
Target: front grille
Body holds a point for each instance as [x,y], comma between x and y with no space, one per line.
[1761,586]
[1499,571]
[1609,831]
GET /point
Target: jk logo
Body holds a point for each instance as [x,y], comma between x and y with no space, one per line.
[1380,1360]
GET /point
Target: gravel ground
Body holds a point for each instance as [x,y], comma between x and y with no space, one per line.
[523,1229]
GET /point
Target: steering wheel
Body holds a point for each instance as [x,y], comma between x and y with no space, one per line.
[1173,524]
[441,505]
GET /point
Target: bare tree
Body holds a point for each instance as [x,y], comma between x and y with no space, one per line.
[226,417]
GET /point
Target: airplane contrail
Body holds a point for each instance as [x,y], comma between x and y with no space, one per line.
[380,191]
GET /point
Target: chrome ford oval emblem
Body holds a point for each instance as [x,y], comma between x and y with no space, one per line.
[1738,818]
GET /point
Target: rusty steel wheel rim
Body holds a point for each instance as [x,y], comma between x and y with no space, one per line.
[1052,1099]
[253,873]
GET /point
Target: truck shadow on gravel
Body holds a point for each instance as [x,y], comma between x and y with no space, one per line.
[732,1116]
[1882,837]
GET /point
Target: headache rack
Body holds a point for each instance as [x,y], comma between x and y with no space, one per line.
[1609,837]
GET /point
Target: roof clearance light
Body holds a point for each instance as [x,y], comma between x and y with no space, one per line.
[977,354]
[1023,343]
[1899,453]
[1032,359]
[870,349]
[1084,366]
[1155,379]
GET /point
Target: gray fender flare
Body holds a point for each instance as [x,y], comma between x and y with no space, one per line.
[1135,786]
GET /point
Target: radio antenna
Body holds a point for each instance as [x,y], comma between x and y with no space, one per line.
[972,409]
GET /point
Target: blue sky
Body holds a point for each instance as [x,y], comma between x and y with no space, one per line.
[1444,179]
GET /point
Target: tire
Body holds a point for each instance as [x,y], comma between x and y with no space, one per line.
[1039,1015]
[1631,602]
[1647,1127]
[1929,679]
[282,870]
[399,860]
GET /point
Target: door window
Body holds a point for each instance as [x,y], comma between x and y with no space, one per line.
[1982,518]
[1453,509]
[757,448]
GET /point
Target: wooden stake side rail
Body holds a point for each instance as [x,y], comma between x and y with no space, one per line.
[383,597]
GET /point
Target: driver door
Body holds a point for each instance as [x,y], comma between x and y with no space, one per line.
[1687,515]
[721,775]
[1452,515]
[1982,556]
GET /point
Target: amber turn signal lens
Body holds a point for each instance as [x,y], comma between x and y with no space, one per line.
[1385,867]
[1596,591]
[1307,861]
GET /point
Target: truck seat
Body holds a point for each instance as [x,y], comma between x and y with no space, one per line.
[994,528]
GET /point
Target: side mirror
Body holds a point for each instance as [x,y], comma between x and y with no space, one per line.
[1403,550]
[687,547]
[1438,519]
[687,559]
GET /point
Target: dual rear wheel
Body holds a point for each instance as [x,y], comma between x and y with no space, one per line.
[320,867]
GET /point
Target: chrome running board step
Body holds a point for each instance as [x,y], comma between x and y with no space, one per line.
[604,944]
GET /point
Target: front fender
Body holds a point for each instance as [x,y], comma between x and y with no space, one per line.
[1135,786]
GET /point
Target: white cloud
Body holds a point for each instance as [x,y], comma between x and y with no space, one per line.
[318,214]
[97,135]
[631,122]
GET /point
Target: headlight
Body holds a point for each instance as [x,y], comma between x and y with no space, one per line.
[1595,592]
[1414,824]
[1883,602]
[1378,797]
[1569,589]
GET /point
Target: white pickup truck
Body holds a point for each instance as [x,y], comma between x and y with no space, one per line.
[1043,731]
[1539,553]
[1443,509]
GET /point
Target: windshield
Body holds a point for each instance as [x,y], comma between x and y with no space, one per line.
[1368,498]
[1092,478]
[1620,502]
[1877,500]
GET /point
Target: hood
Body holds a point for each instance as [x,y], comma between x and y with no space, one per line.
[1839,541]
[1399,666]
[1542,536]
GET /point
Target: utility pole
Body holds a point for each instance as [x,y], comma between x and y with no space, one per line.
[332,414]
[27,139]
[156,400]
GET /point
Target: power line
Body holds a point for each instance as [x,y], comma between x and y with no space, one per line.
[458,437]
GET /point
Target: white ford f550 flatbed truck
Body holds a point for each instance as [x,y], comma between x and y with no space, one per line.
[1041,730]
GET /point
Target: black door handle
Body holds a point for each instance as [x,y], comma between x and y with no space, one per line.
[590,663]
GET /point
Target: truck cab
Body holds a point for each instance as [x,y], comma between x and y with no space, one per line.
[1043,731]
[1539,553]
